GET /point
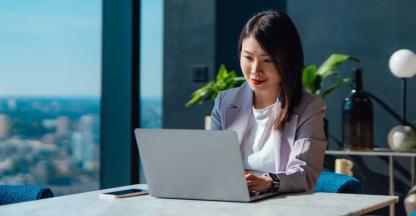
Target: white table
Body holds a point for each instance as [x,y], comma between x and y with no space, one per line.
[286,204]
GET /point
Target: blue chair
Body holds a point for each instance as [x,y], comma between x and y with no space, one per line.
[19,193]
[330,182]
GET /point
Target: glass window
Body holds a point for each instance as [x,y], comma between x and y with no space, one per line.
[151,63]
[151,66]
[50,63]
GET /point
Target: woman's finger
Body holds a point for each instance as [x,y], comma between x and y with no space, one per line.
[250,183]
[250,176]
[255,188]
[257,184]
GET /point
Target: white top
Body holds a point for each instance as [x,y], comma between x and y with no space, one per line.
[258,152]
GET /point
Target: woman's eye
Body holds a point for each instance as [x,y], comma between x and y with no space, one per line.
[268,60]
[248,58]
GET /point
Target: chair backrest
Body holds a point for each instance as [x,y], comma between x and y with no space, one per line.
[337,183]
[19,193]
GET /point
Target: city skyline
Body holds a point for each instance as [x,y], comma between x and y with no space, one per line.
[50,141]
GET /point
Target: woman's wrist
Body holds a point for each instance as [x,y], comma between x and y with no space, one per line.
[274,183]
[269,182]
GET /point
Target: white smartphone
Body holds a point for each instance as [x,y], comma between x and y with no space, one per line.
[123,193]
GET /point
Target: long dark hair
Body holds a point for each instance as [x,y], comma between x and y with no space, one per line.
[277,35]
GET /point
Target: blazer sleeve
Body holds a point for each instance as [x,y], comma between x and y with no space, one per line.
[215,114]
[307,155]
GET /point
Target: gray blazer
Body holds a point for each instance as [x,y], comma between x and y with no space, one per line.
[299,154]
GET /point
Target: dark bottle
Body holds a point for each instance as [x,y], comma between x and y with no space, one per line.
[357,116]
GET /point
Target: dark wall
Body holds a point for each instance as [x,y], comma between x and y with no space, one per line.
[200,32]
[370,30]
[230,19]
[189,39]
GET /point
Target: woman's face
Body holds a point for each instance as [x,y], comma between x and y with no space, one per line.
[258,67]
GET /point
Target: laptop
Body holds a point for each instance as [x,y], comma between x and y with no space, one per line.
[194,164]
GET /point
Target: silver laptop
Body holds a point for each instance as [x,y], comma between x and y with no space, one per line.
[194,164]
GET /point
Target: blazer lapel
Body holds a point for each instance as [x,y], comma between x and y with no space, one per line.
[237,114]
[286,141]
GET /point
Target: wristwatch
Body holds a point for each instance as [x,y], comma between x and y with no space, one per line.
[275,182]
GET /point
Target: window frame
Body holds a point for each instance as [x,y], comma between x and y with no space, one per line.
[120,91]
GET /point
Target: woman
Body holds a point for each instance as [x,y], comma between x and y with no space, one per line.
[279,126]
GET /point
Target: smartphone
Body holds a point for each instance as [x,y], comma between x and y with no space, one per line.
[123,193]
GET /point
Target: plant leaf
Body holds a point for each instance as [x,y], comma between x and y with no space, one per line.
[308,75]
[199,95]
[316,84]
[333,61]
[309,79]
[239,79]
[335,86]
[224,80]
[222,72]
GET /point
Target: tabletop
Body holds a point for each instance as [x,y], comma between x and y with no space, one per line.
[90,203]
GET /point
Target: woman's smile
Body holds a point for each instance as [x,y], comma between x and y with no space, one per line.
[257,81]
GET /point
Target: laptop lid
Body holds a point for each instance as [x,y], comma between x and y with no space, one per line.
[192,164]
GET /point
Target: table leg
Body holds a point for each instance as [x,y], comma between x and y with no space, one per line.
[391,177]
[391,213]
[412,170]
[391,182]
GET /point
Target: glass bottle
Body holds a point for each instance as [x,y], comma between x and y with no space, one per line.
[357,116]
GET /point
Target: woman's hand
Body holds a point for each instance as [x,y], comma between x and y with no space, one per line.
[258,183]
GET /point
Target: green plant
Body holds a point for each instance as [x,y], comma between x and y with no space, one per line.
[313,79]
[225,79]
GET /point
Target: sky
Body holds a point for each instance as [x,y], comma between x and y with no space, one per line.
[151,62]
[53,48]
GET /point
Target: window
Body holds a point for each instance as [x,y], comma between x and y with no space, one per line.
[151,63]
[50,63]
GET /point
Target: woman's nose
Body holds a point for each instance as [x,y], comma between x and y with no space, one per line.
[255,67]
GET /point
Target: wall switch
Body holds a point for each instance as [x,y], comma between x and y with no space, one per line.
[199,73]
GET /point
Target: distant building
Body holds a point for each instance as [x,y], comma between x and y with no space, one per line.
[4,125]
[62,125]
[87,123]
[83,148]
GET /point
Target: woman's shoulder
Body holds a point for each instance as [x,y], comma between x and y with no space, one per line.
[310,102]
[234,97]
[232,93]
